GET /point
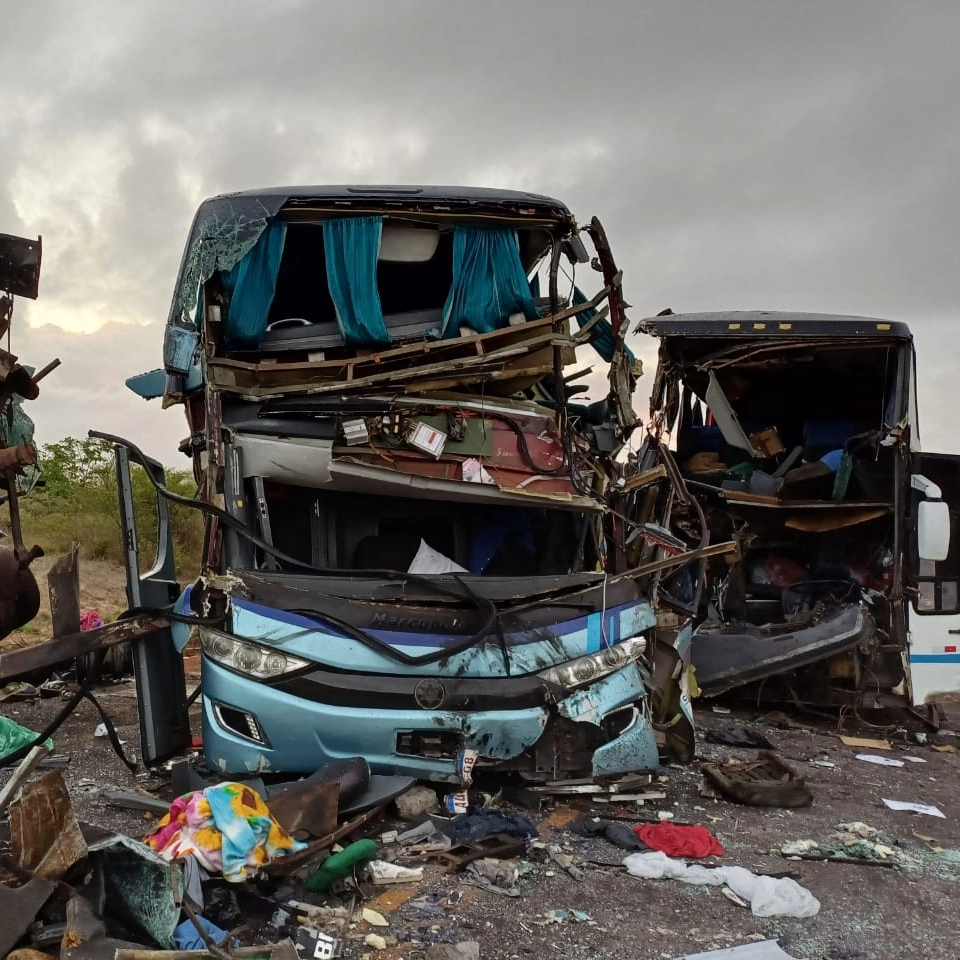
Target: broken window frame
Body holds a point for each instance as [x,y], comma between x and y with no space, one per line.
[944,573]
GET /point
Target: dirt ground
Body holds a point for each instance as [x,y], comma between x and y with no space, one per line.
[867,911]
[102,588]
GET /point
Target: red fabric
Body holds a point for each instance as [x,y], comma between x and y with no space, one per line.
[676,840]
[90,620]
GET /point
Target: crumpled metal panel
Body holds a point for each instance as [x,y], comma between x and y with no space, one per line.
[44,832]
[307,809]
[592,703]
[633,751]
[504,734]
[18,908]
[86,934]
[20,265]
[635,748]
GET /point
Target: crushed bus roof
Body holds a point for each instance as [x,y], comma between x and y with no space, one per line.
[770,323]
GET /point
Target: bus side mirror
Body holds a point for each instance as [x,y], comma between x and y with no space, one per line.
[933,530]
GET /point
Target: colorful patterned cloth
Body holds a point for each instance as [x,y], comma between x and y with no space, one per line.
[228,828]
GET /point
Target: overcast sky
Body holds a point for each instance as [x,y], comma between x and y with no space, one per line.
[748,155]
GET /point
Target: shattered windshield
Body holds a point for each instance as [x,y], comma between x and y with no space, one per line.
[224,231]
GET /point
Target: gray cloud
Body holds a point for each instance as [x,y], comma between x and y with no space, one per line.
[744,154]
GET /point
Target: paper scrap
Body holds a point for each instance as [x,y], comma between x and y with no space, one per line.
[943,747]
[926,808]
[882,761]
[374,919]
[430,562]
[914,759]
[762,950]
[475,472]
[866,742]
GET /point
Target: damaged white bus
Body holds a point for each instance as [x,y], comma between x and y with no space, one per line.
[797,435]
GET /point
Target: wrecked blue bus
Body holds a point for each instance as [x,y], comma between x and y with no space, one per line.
[423,542]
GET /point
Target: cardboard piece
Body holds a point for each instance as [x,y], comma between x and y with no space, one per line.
[866,743]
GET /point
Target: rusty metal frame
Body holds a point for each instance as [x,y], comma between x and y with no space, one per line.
[15,663]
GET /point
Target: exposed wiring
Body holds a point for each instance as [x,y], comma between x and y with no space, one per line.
[82,692]
[464,593]
[86,682]
[240,528]
[564,467]
[490,626]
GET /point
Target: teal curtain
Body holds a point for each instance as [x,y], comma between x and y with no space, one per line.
[351,247]
[251,285]
[489,282]
[601,334]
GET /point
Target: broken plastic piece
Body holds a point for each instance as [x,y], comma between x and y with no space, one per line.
[420,832]
[316,945]
[374,919]
[382,872]
[466,761]
[879,761]
[13,737]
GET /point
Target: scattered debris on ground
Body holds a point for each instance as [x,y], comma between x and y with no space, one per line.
[93,865]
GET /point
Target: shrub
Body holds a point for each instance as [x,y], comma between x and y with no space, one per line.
[78,502]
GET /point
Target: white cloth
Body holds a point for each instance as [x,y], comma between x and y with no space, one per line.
[767,896]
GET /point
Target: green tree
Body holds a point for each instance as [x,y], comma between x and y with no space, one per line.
[78,501]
